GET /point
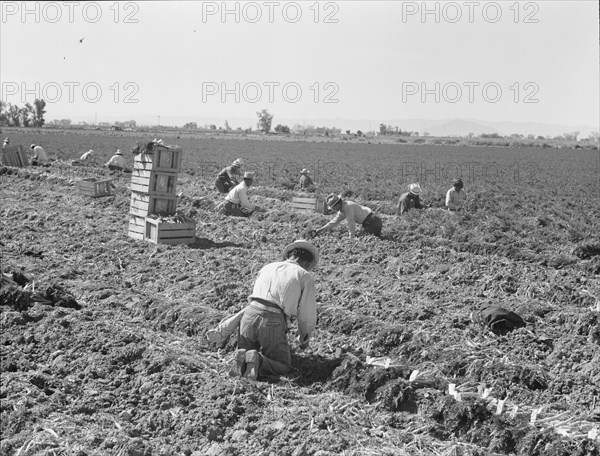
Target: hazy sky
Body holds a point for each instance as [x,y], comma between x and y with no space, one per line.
[494,61]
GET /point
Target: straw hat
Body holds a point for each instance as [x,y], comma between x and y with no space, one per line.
[249,175]
[302,244]
[238,162]
[332,200]
[305,171]
[118,152]
[415,189]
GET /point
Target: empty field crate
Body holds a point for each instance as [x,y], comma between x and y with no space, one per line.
[159,158]
[143,204]
[14,156]
[159,231]
[306,204]
[153,182]
[94,187]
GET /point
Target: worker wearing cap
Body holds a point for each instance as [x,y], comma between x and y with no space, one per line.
[39,155]
[410,199]
[354,213]
[456,196]
[306,183]
[236,202]
[229,176]
[117,162]
[282,290]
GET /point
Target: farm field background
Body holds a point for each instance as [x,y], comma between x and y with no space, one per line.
[131,372]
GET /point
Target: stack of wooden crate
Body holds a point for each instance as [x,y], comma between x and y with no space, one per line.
[14,156]
[154,198]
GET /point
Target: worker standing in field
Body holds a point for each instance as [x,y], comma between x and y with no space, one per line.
[354,213]
[39,155]
[229,176]
[236,202]
[117,162]
[282,290]
[306,182]
[456,196]
[410,199]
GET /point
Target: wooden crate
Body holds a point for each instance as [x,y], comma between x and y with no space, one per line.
[305,204]
[160,158]
[137,227]
[153,182]
[143,204]
[161,232]
[14,156]
[94,187]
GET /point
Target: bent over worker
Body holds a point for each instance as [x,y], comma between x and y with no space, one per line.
[117,162]
[229,176]
[282,290]
[410,199]
[354,213]
[236,202]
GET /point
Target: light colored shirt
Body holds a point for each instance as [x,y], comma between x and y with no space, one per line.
[292,288]
[40,154]
[355,213]
[117,160]
[455,199]
[239,195]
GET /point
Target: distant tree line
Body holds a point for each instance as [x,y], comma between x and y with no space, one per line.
[12,115]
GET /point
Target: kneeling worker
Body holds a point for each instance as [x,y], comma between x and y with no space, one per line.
[283,289]
[117,162]
[236,202]
[355,213]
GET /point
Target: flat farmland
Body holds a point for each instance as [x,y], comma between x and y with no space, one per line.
[128,370]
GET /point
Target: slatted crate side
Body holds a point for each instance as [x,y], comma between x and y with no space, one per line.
[14,156]
[161,158]
[304,204]
[94,188]
[137,226]
[143,204]
[153,182]
[160,232]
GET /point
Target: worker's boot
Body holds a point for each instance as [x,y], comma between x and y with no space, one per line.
[252,365]
[239,363]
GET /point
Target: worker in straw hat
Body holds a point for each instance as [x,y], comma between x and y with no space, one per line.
[456,196]
[306,182]
[229,176]
[282,290]
[354,213]
[236,202]
[39,155]
[117,162]
[410,199]
[5,143]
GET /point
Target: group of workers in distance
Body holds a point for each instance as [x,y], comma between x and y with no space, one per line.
[39,157]
[236,202]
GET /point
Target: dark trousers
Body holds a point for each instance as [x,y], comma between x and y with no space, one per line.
[373,224]
[266,331]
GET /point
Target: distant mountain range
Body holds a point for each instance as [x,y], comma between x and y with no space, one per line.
[442,127]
